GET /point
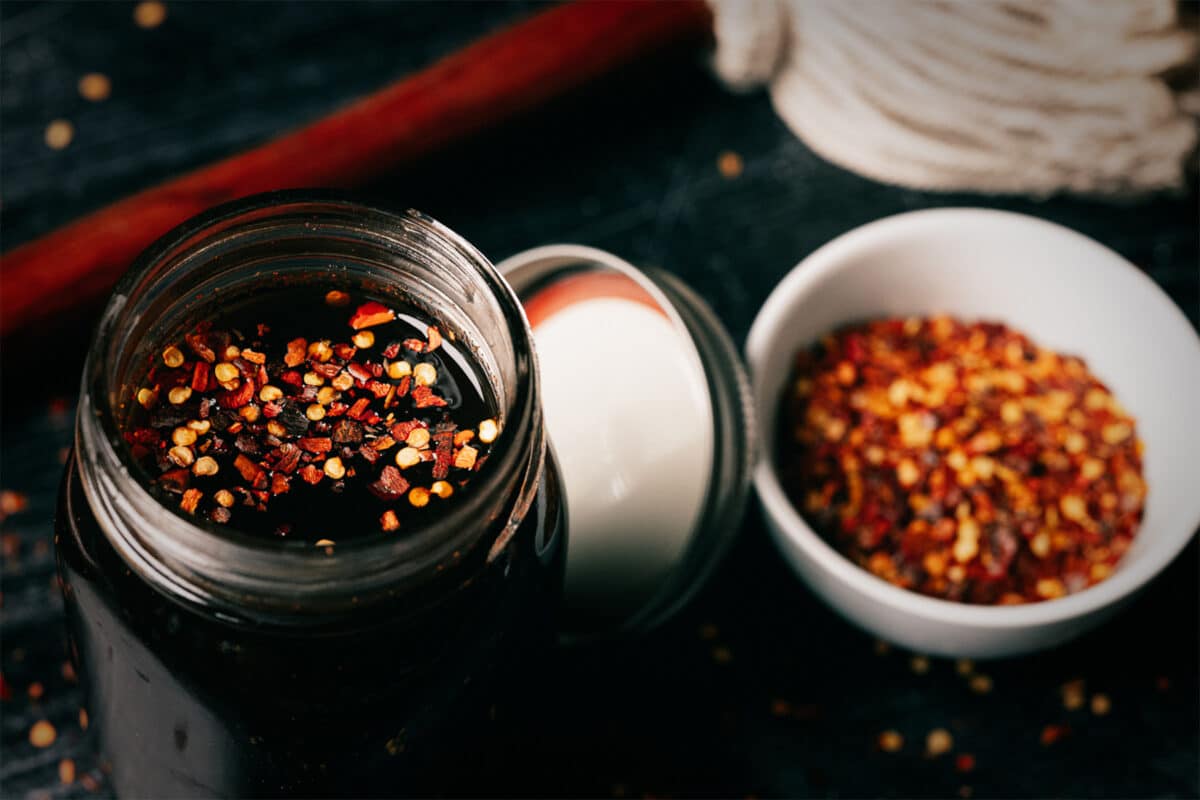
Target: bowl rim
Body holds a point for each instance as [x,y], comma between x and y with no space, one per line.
[790,525]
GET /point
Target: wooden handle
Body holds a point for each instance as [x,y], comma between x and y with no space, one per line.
[501,75]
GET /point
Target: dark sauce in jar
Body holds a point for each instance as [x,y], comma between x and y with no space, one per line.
[311,413]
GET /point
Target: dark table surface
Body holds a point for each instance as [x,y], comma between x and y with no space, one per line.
[756,689]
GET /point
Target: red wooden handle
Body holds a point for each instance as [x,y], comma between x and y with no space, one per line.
[495,78]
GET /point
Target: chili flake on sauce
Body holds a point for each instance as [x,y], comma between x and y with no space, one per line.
[961,460]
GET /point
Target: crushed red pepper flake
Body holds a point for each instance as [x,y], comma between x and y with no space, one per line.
[246,414]
[961,460]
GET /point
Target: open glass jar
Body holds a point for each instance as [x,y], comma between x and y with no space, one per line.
[223,665]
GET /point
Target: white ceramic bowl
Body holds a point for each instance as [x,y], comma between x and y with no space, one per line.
[1066,292]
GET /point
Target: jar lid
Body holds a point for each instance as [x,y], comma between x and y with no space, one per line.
[648,412]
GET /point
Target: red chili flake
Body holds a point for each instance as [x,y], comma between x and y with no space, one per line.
[423,397]
[403,386]
[248,368]
[5,689]
[191,498]
[376,369]
[237,397]
[288,458]
[347,432]
[292,378]
[379,388]
[443,439]
[249,470]
[175,480]
[271,410]
[316,445]
[279,483]
[961,461]
[327,370]
[390,485]
[312,474]
[344,351]
[297,350]
[370,314]
[357,371]
[200,347]
[200,374]
[434,336]
[401,430]
[964,762]
[416,345]
[392,350]
[336,409]
[359,409]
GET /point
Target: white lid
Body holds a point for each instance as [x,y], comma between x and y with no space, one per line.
[646,407]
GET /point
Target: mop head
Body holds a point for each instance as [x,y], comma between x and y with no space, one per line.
[1005,96]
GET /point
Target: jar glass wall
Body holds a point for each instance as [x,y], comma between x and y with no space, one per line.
[220,665]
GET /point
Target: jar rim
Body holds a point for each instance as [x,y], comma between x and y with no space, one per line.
[240,577]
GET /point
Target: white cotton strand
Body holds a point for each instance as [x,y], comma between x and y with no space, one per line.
[1029,96]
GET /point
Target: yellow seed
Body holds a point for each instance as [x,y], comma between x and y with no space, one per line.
[315,412]
[1075,443]
[984,467]
[1116,432]
[965,549]
[250,413]
[183,437]
[313,379]
[232,352]
[172,357]
[342,381]
[254,357]
[326,395]
[466,457]
[1039,545]
[226,372]
[408,457]
[425,374]
[1010,412]
[181,456]
[334,468]
[1073,695]
[418,497]
[95,87]
[200,426]
[224,498]
[59,134]
[488,431]
[906,471]
[320,350]
[1050,588]
[149,14]
[206,465]
[1073,507]
[336,298]
[442,489]
[730,164]
[1101,705]
[147,398]
[938,742]
[964,666]
[276,429]
[418,438]
[269,393]
[179,395]
[957,460]
[324,543]
[919,664]
[364,339]
[398,369]
[1091,469]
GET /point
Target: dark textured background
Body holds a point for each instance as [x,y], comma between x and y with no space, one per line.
[757,689]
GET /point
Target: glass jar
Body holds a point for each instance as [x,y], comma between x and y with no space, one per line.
[219,666]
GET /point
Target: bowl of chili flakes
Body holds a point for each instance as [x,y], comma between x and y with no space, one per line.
[994,283]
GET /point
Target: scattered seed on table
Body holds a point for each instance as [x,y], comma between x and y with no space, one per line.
[890,741]
[980,684]
[59,134]
[919,664]
[1073,695]
[83,719]
[882,648]
[964,762]
[66,771]
[964,666]
[730,164]
[780,708]
[95,86]
[42,734]
[708,631]
[35,691]
[149,14]
[1053,733]
[1101,705]
[938,742]
[722,655]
